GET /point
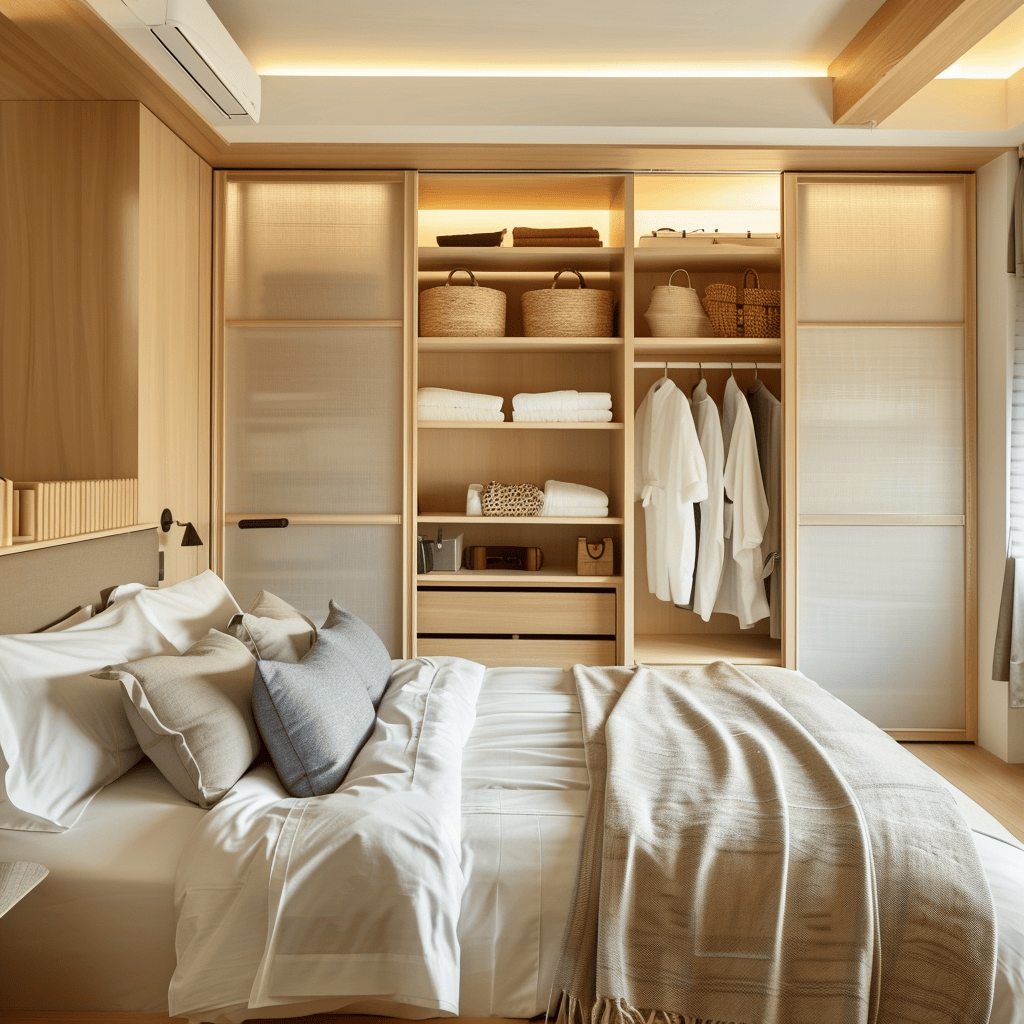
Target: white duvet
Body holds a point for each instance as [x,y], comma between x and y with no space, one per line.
[438,880]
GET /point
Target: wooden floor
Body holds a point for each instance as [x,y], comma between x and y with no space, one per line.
[997,786]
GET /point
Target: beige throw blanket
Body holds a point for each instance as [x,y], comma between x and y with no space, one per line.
[754,851]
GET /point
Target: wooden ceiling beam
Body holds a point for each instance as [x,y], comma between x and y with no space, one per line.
[902,48]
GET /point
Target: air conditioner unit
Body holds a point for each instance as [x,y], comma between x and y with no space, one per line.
[185,41]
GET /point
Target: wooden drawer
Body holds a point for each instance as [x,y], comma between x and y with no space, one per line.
[541,653]
[545,613]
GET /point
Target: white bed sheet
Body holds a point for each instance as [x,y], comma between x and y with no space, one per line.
[98,932]
[102,924]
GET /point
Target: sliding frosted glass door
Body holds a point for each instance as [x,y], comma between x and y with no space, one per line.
[313,422]
[884,345]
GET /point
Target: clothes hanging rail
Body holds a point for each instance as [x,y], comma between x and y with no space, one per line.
[670,365]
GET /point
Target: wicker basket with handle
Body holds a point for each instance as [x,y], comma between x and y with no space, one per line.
[746,312]
[462,312]
[568,312]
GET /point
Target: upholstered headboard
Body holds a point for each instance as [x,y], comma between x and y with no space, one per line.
[42,585]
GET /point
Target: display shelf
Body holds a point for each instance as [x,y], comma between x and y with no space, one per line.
[33,545]
[519,345]
[710,349]
[289,323]
[522,259]
[461,517]
[704,648]
[708,257]
[549,576]
[512,425]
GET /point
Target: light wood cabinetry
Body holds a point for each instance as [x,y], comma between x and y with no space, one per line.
[556,604]
[105,307]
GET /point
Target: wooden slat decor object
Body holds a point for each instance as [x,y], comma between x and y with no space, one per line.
[902,48]
[54,509]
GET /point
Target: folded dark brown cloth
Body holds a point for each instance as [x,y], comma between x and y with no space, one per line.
[555,233]
[567,240]
[477,238]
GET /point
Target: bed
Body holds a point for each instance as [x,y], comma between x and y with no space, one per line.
[267,917]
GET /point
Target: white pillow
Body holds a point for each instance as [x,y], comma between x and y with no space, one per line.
[184,612]
[82,614]
[63,734]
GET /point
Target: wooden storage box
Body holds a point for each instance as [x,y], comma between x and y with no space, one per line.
[595,558]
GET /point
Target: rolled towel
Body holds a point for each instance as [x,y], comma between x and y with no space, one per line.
[553,416]
[580,512]
[559,494]
[473,506]
[595,400]
[567,401]
[452,414]
[461,399]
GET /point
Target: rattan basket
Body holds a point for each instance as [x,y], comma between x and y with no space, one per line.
[676,312]
[568,312]
[462,312]
[745,312]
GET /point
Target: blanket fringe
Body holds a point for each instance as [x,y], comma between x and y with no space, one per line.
[617,1011]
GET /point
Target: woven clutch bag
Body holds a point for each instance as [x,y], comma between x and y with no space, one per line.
[511,499]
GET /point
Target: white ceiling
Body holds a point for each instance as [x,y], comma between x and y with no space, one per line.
[640,72]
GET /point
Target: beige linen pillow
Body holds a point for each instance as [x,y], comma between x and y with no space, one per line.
[191,714]
[273,630]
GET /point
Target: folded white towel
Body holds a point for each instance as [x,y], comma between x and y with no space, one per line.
[461,399]
[452,414]
[581,512]
[559,494]
[473,506]
[547,400]
[554,416]
[595,400]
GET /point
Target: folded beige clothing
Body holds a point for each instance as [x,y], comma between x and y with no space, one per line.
[462,399]
[555,233]
[555,240]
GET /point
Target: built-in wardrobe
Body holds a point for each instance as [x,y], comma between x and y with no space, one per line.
[318,361]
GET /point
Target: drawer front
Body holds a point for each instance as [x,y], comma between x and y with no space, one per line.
[552,613]
[532,653]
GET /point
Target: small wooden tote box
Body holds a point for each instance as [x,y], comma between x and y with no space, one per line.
[594,559]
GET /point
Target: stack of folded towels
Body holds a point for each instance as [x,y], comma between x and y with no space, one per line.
[563,407]
[442,404]
[545,237]
[575,500]
[560,499]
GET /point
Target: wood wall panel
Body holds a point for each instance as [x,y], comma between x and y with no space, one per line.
[69,229]
[173,379]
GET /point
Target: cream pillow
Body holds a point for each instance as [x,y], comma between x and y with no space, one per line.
[191,714]
[273,630]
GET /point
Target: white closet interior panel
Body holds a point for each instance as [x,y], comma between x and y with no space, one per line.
[324,250]
[313,419]
[881,420]
[308,566]
[881,250]
[882,620]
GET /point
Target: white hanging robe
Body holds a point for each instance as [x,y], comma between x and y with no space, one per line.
[766,412]
[742,591]
[669,475]
[707,577]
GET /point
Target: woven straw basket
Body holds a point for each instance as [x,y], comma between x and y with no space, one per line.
[467,312]
[746,312]
[568,312]
[676,312]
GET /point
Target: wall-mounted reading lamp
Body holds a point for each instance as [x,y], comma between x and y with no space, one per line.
[191,538]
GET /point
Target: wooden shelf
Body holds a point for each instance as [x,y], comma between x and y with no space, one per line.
[519,344]
[712,257]
[518,260]
[34,545]
[285,324]
[704,648]
[549,576]
[711,349]
[511,425]
[461,517]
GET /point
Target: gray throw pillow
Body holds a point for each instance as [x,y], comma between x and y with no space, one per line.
[192,716]
[273,629]
[314,716]
[364,651]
